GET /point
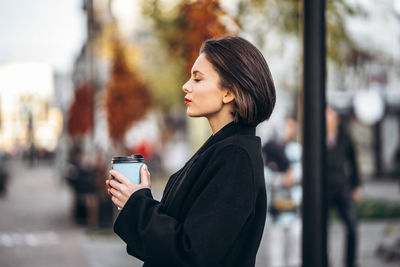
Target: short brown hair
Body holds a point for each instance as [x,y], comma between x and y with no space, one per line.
[244,71]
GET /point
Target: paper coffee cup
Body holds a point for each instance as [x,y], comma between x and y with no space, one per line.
[129,166]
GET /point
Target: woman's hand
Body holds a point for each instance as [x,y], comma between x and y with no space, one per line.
[121,192]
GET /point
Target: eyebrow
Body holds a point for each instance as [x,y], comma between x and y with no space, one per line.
[197,72]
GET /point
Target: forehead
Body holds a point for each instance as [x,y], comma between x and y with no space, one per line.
[204,66]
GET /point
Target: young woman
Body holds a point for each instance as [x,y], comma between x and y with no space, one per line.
[213,210]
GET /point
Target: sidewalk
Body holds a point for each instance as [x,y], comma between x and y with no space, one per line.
[381,189]
[371,234]
[36,228]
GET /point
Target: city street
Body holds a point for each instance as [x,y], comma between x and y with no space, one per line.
[36,229]
[90,84]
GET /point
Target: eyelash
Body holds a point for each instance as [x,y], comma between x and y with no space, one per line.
[196,80]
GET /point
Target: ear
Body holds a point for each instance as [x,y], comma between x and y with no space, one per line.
[227,96]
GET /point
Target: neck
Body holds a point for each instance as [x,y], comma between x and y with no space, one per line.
[218,124]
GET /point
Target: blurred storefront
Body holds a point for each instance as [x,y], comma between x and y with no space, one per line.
[366,90]
[29,117]
[373,117]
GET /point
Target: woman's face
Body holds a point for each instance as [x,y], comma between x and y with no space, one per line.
[204,96]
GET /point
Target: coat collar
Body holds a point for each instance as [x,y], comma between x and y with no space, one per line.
[228,130]
[177,179]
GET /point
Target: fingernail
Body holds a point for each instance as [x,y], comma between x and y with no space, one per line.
[145,167]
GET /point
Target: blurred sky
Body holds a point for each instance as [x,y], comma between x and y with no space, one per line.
[46,31]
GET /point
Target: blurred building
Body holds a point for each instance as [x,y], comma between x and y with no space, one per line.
[27,112]
[367,88]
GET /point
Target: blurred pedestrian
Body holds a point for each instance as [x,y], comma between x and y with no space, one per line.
[342,180]
[81,176]
[213,210]
[3,173]
[396,160]
[283,159]
[283,178]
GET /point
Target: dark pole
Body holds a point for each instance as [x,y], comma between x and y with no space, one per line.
[314,205]
[377,148]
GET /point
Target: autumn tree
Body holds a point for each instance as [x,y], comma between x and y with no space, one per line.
[198,21]
[80,114]
[127,98]
[287,17]
[189,26]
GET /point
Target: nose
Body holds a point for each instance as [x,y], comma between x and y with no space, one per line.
[185,87]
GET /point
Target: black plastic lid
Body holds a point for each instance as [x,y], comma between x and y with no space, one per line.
[127,159]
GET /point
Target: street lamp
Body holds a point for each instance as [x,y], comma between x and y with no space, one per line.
[314,243]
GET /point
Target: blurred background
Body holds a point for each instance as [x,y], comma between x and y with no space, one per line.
[84,80]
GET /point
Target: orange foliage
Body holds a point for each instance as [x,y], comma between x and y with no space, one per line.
[127,98]
[199,21]
[80,114]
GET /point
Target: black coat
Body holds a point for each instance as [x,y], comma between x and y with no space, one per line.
[341,164]
[212,212]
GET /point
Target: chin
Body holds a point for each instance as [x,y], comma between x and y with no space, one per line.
[193,114]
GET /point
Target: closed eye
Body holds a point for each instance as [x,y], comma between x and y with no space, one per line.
[197,80]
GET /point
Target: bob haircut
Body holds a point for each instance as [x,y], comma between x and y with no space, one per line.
[243,70]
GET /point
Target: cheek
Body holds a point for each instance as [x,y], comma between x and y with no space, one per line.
[210,97]
[207,99]
[205,104]
[211,92]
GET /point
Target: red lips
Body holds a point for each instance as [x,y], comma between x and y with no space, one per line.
[187,101]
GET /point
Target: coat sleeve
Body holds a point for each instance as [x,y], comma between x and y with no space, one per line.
[354,178]
[212,224]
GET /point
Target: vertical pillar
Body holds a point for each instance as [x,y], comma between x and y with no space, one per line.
[378,150]
[314,243]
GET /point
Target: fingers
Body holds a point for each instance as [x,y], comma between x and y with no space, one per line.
[117,202]
[110,178]
[116,185]
[118,190]
[145,176]
[122,190]
[116,197]
[109,186]
[120,177]
[115,192]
